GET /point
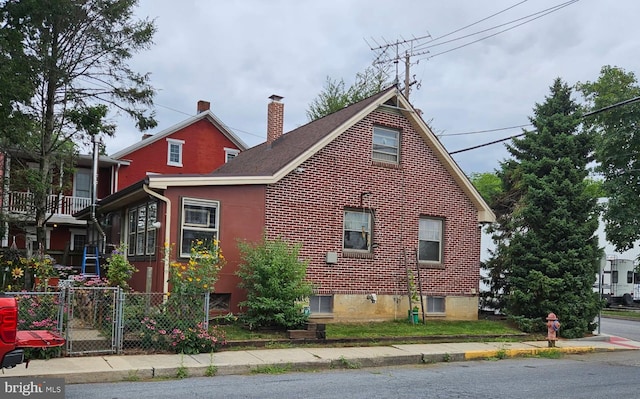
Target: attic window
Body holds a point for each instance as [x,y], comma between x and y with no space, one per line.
[230,153]
[386,145]
[174,152]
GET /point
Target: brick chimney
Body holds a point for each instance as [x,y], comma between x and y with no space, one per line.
[203,106]
[275,118]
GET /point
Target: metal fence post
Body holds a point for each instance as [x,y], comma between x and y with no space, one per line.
[61,305]
[119,320]
[206,311]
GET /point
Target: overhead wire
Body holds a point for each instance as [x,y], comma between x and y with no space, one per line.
[553,9]
[586,114]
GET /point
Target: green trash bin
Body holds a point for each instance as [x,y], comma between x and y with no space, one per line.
[413,315]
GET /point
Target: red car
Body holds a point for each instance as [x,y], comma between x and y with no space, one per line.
[13,342]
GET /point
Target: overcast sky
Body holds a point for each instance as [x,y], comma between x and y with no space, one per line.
[236,54]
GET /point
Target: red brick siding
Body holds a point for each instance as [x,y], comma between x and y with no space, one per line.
[308,207]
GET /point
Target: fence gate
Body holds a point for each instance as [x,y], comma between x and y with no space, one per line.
[92,320]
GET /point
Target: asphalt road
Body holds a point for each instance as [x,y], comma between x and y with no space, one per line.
[605,375]
[622,328]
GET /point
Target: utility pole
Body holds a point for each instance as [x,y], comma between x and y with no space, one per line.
[389,53]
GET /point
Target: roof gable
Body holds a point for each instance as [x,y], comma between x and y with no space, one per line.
[267,163]
[208,115]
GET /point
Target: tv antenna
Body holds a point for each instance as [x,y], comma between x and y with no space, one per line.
[396,52]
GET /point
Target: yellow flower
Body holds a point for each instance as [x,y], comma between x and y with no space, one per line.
[204,285]
[16,273]
[190,279]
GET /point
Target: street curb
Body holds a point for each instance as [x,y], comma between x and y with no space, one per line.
[200,369]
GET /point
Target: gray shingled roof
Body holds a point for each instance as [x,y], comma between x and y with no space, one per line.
[267,159]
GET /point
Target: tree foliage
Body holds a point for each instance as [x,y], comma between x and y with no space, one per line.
[274,278]
[67,60]
[488,185]
[548,252]
[335,95]
[617,149]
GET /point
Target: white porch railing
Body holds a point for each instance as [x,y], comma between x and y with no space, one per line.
[22,202]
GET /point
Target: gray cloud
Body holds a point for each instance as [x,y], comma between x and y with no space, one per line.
[235,54]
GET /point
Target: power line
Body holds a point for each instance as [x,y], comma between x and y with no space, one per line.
[483,131]
[587,114]
[497,33]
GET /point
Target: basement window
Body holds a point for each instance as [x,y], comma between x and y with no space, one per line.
[321,304]
[435,304]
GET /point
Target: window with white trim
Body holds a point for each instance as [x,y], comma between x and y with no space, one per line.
[230,153]
[386,146]
[430,240]
[321,304]
[357,231]
[199,221]
[78,239]
[174,152]
[141,230]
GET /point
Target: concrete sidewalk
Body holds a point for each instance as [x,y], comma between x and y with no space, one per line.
[113,368]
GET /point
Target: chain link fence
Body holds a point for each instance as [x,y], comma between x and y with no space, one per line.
[102,320]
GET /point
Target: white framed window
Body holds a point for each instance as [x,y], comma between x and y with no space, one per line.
[430,240]
[321,304]
[386,145]
[82,183]
[78,239]
[435,304]
[174,152]
[141,230]
[230,153]
[357,230]
[199,221]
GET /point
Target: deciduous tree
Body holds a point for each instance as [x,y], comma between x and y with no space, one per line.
[335,95]
[73,54]
[617,151]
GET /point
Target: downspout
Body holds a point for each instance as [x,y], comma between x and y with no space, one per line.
[167,232]
[94,191]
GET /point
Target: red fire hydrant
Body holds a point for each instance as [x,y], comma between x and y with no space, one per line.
[553,325]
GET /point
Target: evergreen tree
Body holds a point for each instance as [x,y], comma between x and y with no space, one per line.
[552,251]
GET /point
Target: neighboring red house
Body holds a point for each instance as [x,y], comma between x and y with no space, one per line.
[368,192]
[65,236]
[199,144]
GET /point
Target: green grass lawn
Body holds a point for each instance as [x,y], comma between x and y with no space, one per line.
[396,329]
[621,313]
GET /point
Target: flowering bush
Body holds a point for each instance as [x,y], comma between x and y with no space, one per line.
[12,268]
[162,334]
[200,273]
[83,281]
[39,312]
[119,270]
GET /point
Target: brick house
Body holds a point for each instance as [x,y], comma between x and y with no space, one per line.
[368,191]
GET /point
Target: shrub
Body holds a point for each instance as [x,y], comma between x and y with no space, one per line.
[119,270]
[274,278]
[160,332]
